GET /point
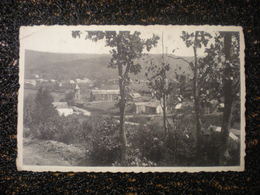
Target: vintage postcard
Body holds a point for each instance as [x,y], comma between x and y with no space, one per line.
[131,98]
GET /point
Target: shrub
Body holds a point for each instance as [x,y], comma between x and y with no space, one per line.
[45,130]
[147,142]
[105,148]
[68,130]
[135,158]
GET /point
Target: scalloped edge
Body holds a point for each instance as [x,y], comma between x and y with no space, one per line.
[19,160]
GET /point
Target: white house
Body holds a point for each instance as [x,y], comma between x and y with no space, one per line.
[135,95]
[30,82]
[72,82]
[81,111]
[234,134]
[148,107]
[62,108]
[85,80]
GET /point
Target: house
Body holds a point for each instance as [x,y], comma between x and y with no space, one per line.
[104,95]
[234,134]
[135,95]
[62,108]
[36,76]
[72,82]
[42,80]
[30,82]
[185,105]
[81,111]
[148,107]
[85,80]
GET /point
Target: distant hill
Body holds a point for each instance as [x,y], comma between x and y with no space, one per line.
[93,66]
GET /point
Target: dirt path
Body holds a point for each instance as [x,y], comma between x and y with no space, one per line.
[39,152]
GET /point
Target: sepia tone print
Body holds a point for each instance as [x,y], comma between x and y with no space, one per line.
[131,98]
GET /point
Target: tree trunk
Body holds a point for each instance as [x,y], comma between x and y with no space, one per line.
[122,115]
[228,97]
[164,117]
[196,97]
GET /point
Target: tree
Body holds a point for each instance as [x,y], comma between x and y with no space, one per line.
[161,87]
[126,47]
[221,65]
[69,97]
[28,111]
[196,40]
[43,109]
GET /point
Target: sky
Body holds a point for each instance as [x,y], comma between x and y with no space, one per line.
[58,39]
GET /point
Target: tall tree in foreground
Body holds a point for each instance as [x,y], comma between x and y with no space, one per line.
[126,47]
[223,79]
[196,40]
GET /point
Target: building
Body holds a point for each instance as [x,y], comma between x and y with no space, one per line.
[135,95]
[30,83]
[72,82]
[148,107]
[81,111]
[62,108]
[77,97]
[234,134]
[184,106]
[85,81]
[104,95]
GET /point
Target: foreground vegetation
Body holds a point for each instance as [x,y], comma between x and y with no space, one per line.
[146,146]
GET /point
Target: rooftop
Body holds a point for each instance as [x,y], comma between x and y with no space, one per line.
[104,91]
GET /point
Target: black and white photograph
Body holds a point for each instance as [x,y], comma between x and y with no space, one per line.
[131,98]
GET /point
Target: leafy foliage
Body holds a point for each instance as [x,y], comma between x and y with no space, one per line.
[43,109]
[125,48]
[196,39]
[159,84]
[211,69]
[105,148]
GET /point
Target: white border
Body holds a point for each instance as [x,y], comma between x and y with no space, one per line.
[19,160]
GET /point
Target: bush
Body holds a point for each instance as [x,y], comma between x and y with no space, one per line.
[145,145]
[68,130]
[135,158]
[59,128]
[105,149]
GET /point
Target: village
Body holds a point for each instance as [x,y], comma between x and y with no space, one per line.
[85,97]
